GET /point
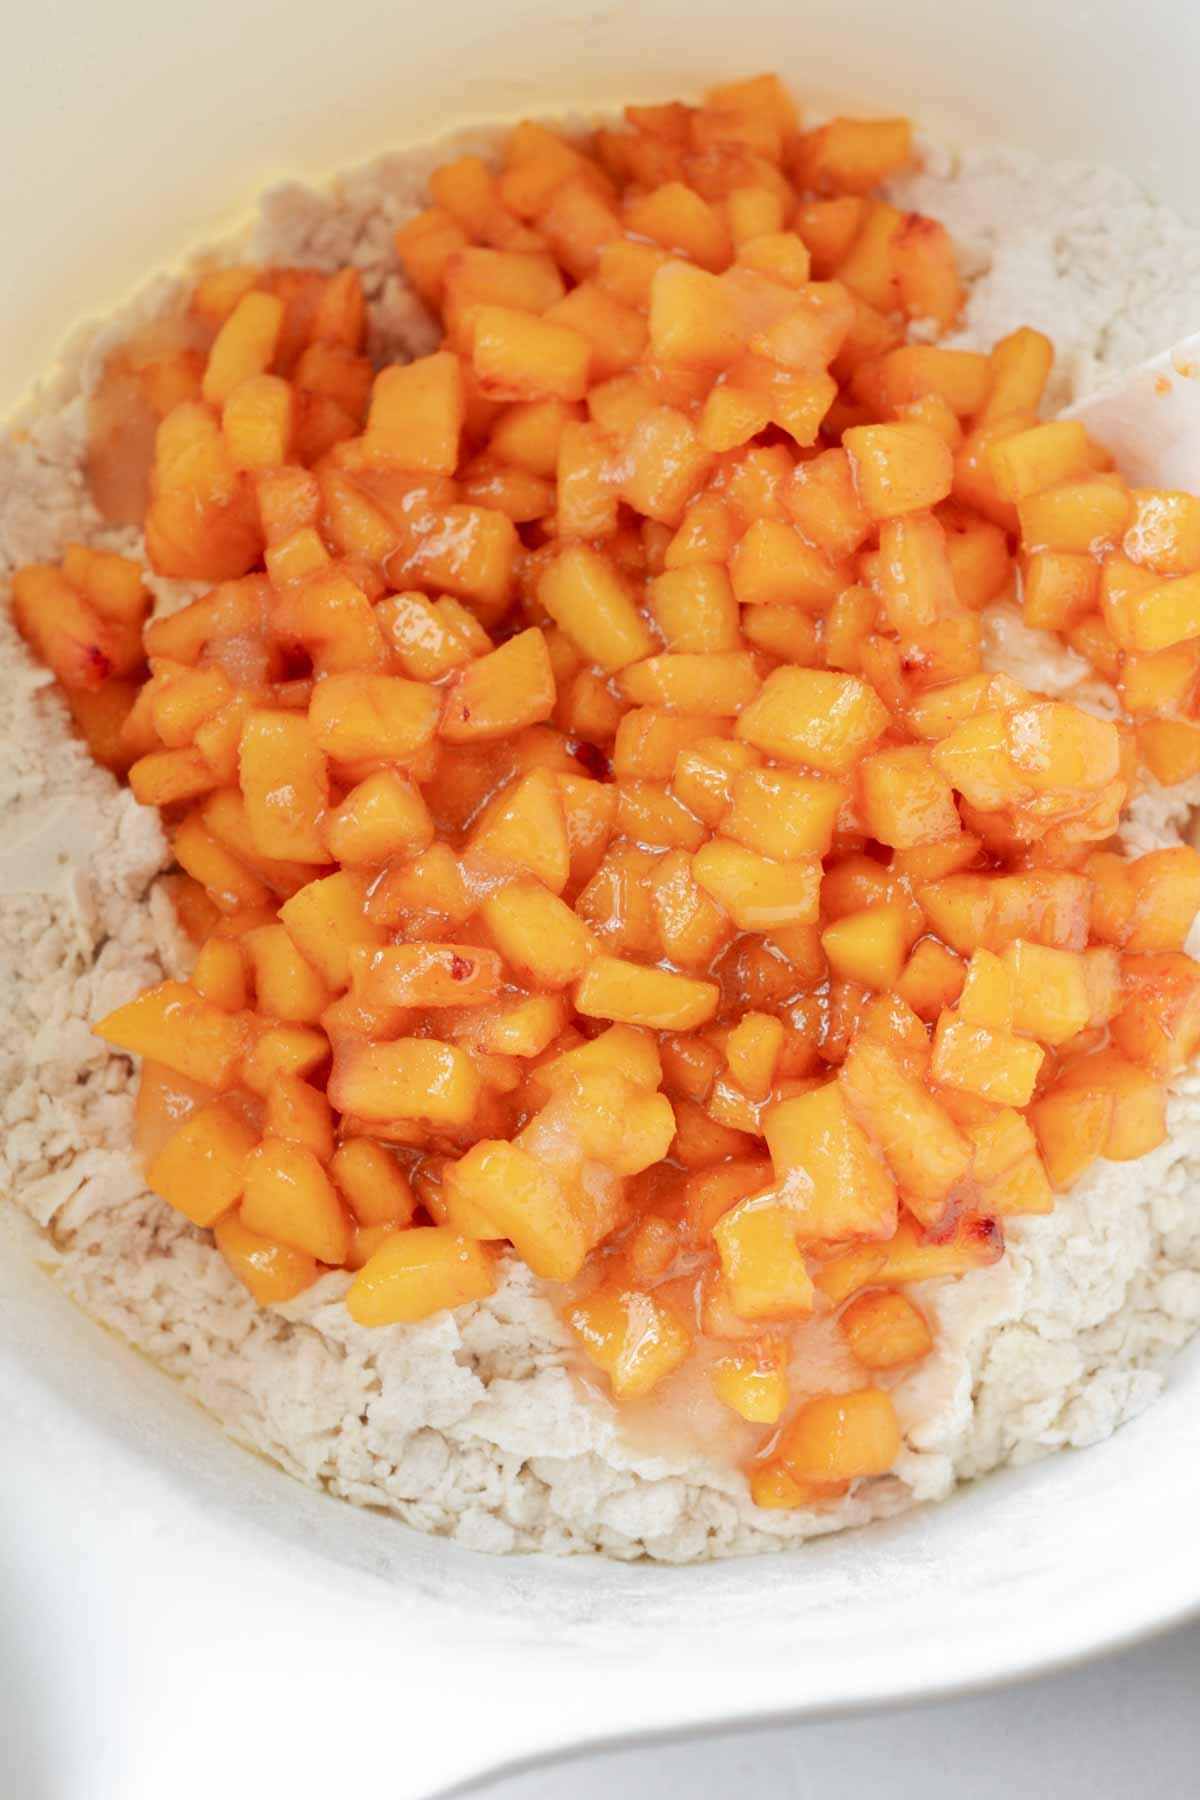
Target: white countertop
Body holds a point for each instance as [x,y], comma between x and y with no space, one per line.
[1112,1730]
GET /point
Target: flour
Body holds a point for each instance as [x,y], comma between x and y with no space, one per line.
[473,1425]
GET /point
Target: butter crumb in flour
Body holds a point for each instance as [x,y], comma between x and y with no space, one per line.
[471,1425]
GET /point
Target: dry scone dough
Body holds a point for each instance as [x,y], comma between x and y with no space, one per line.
[471,1425]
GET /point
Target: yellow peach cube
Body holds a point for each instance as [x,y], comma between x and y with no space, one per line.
[284,780]
[885,1331]
[756,1244]
[419,1271]
[409,1078]
[518,356]
[326,919]
[1052,999]
[716,684]
[372,1183]
[898,469]
[201,1169]
[244,346]
[538,935]
[756,891]
[416,415]
[814,716]
[289,1197]
[825,1165]
[753,1384]
[632,994]
[842,1437]
[905,798]
[919,1141]
[636,1339]
[996,1065]
[868,946]
[273,1272]
[585,594]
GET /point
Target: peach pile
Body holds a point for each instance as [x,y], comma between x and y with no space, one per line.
[597,828]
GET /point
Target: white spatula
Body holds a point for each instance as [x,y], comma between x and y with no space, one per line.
[1149,418]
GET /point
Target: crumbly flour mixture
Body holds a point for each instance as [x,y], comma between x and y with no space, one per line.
[474,1425]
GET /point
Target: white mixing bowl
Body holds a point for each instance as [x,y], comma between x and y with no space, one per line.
[183,1619]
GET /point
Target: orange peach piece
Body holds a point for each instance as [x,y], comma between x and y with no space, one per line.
[586,595]
[409,1078]
[273,1272]
[885,1331]
[538,934]
[416,414]
[753,1384]
[327,919]
[419,1271]
[428,975]
[841,1437]
[993,1064]
[636,1339]
[289,1197]
[372,1183]
[171,1024]
[899,468]
[760,1258]
[201,1169]
[498,1190]
[814,716]
[919,1141]
[632,994]
[827,1169]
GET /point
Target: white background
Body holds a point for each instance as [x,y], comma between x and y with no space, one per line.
[1115,1730]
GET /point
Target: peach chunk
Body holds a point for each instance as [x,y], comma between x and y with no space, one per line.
[886,1331]
[273,1272]
[815,716]
[422,1270]
[834,1182]
[289,1197]
[753,1383]
[508,1191]
[756,1242]
[409,1078]
[1159,1024]
[633,1337]
[372,1183]
[202,1167]
[996,1065]
[842,1437]
[171,1024]
[632,994]
[905,799]
[919,1141]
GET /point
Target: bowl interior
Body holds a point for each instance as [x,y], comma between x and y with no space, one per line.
[1034,1566]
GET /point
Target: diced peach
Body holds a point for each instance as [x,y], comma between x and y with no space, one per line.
[756,1243]
[633,1337]
[1079,515]
[244,346]
[273,1272]
[419,1271]
[373,1183]
[664,465]
[867,947]
[300,1114]
[835,1184]
[1159,1024]
[524,830]
[756,891]
[201,1169]
[994,1064]
[631,994]
[753,1383]
[286,986]
[416,414]
[773,564]
[585,594]
[327,919]
[428,975]
[905,798]
[289,1197]
[841,1437]
[931,979]
[171,1024]
[898,468]
[410,1078]
[284,781]
[886,1331]
[1051,996]
[925,1151]
[814,716]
